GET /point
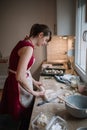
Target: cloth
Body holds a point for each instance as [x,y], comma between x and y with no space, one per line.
[10,102]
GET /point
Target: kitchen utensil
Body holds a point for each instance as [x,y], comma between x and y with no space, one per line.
[46,101]
[82,128]
[71,105]
[80,101]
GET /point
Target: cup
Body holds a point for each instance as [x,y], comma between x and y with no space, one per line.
[74,83]
[81,87]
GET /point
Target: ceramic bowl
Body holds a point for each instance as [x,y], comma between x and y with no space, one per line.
[80,101]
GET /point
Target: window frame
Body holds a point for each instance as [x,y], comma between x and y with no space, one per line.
[82,71]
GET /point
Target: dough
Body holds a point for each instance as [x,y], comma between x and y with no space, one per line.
[42,120]
[50,94]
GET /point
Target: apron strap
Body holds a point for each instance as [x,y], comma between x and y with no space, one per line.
[12,71]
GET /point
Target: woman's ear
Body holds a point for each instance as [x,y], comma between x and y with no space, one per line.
[41,35]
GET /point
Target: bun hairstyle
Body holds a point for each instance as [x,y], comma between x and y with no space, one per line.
[38,28]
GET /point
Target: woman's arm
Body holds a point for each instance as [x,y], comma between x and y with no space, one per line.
[25,54]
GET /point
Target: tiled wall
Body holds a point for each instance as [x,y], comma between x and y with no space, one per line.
[59,48]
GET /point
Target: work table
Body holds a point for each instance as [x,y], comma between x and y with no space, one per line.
[56,108]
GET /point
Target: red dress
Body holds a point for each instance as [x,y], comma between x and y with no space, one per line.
[10,103]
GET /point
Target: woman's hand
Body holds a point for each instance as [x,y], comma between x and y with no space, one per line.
[38,85]
[39,93]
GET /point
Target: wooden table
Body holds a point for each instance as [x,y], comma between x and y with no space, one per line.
[56,108]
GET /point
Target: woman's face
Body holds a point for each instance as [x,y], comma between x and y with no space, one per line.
[42,40]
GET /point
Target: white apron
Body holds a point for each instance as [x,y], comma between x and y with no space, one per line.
[25,97]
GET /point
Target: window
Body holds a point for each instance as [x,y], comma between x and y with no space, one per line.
[81,38]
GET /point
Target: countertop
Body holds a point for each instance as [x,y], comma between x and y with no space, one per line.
[56,107]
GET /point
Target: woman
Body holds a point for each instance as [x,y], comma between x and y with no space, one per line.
[18,91]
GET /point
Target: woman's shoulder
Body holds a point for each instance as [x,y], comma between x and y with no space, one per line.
[25,43]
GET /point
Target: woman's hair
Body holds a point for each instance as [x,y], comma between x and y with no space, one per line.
[38,28]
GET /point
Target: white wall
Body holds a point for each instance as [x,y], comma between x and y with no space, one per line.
[16,18]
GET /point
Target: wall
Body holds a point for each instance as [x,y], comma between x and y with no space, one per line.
[16,18]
